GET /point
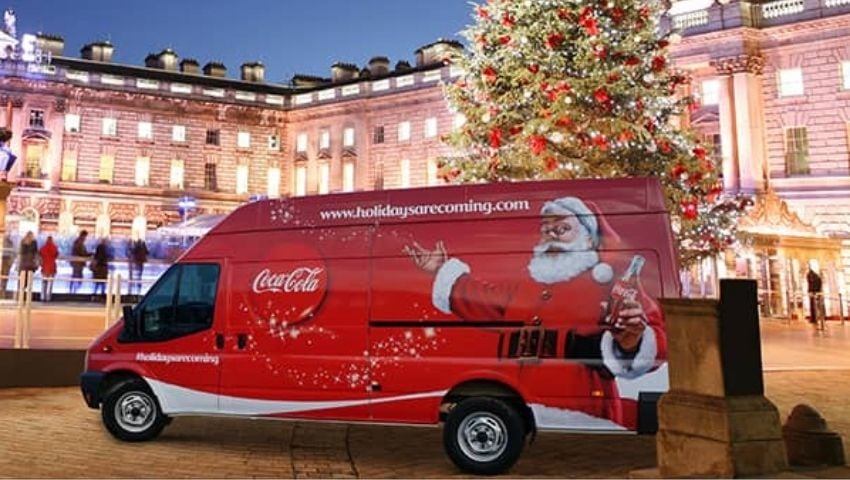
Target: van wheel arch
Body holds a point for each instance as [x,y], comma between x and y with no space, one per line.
[115,378]
[489,388]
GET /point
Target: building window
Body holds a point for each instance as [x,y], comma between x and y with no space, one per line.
[242,178]
[404,166]
[348,177]
[175,180]
[301,143]
[213,136]
[178,133]
[431,127]
[36,119]
[109,127]
[324,178]
[433,172]
[145,130]
[325,140]
[143,171]
[32,165]
[273,184]
[790,82]
[796,151]
[107,167]
[300,180]
[210,176]
[274,143]
[69,167]
[403,131]
[378,135]
[711,92]
[458,121]
[348,137]
[72,123]
[243,140]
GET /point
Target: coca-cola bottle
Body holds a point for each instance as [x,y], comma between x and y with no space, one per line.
[626,289]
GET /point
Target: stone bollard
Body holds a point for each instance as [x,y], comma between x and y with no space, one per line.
[808,440]
[715,420]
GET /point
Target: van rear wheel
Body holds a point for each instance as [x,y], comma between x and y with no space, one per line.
[131,412]
[484,435]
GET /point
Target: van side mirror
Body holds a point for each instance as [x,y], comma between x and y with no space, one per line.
[131,323]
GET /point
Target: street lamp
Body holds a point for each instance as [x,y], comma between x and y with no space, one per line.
[185,204]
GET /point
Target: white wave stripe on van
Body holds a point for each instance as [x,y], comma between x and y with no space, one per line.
[177,399]
[559,419]
[657,381]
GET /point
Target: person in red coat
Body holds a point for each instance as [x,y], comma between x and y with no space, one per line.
[49,253]
[564,295]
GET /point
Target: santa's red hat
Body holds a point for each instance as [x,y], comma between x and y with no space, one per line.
[603,237]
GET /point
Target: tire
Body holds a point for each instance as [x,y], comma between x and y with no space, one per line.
[131,412]
[484,435]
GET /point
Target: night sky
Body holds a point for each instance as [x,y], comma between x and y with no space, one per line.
[287,36]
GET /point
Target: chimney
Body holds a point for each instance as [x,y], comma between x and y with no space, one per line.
[215,69]
[50,43]
[191,66]
[253,72]
[168,60]
[152,61]
[98,52]
[308,81]
[437,52]
[341,72]
[402,66]
[379,66]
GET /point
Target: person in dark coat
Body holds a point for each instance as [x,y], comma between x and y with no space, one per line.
[815,288]
[78,264]
[138,256]
[28,254]
[100,267]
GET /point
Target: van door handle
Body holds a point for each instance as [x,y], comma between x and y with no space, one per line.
[219,341]
[242,340]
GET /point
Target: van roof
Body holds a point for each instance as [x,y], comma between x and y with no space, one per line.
[458,202]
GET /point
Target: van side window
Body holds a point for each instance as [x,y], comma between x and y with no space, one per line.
[181,303]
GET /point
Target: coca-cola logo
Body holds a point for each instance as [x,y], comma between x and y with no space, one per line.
[289,286]
[300,280]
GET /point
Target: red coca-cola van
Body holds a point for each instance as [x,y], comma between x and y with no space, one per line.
[497,310]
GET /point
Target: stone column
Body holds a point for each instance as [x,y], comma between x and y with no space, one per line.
[728,136]
[742,119]
[715,421]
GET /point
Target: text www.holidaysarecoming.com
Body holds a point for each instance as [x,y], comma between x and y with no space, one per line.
[407,211]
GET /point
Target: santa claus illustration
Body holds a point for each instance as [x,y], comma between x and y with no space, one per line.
[565,292]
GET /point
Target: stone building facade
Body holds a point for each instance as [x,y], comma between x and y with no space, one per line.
[774,81]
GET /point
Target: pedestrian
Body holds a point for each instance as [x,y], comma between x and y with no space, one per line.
[138,256]
[49,252]
[78,263]
[100,267]
[815,288]
[28,256]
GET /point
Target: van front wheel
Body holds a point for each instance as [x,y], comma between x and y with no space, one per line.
[131,412]
[484,435]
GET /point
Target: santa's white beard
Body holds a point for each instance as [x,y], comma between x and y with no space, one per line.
[560,267]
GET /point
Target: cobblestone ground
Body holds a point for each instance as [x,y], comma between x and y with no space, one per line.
[50,433]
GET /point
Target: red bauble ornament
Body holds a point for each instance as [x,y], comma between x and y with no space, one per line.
[505,39]
[631,61]
[554,40]
[508,20]
[613,77]
[590,26]
[664,147]
[626,136]
[537,143]
[600,142]
[663,44]
[658,64]
[699,152]
[677,171]
[617,14]
[689,209]
[600,52]
[601,95]
[564,122]
[495,138]
[482,12]
[489,74]
[550,164]
[516,130]
[534,68]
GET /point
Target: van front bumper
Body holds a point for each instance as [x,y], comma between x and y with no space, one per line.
[90,385]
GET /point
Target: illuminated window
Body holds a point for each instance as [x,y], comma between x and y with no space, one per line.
[404,166]
[242,178]
[790,82]
[243,140]
[301,180]
[69,166]
[796,151]
[145,130]
[325,140]
[178,133]
[348,177]
[324,178]
[431,127]
[273,185]
[301,143]
[109,127]
[348,137]
[143,171]
[175,180]
[72,123]
[107,167]
[711,92]
[403,131]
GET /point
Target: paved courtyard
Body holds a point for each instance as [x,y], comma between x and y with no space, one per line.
[50,433]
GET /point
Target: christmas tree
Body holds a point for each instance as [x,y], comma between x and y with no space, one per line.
[584,89]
